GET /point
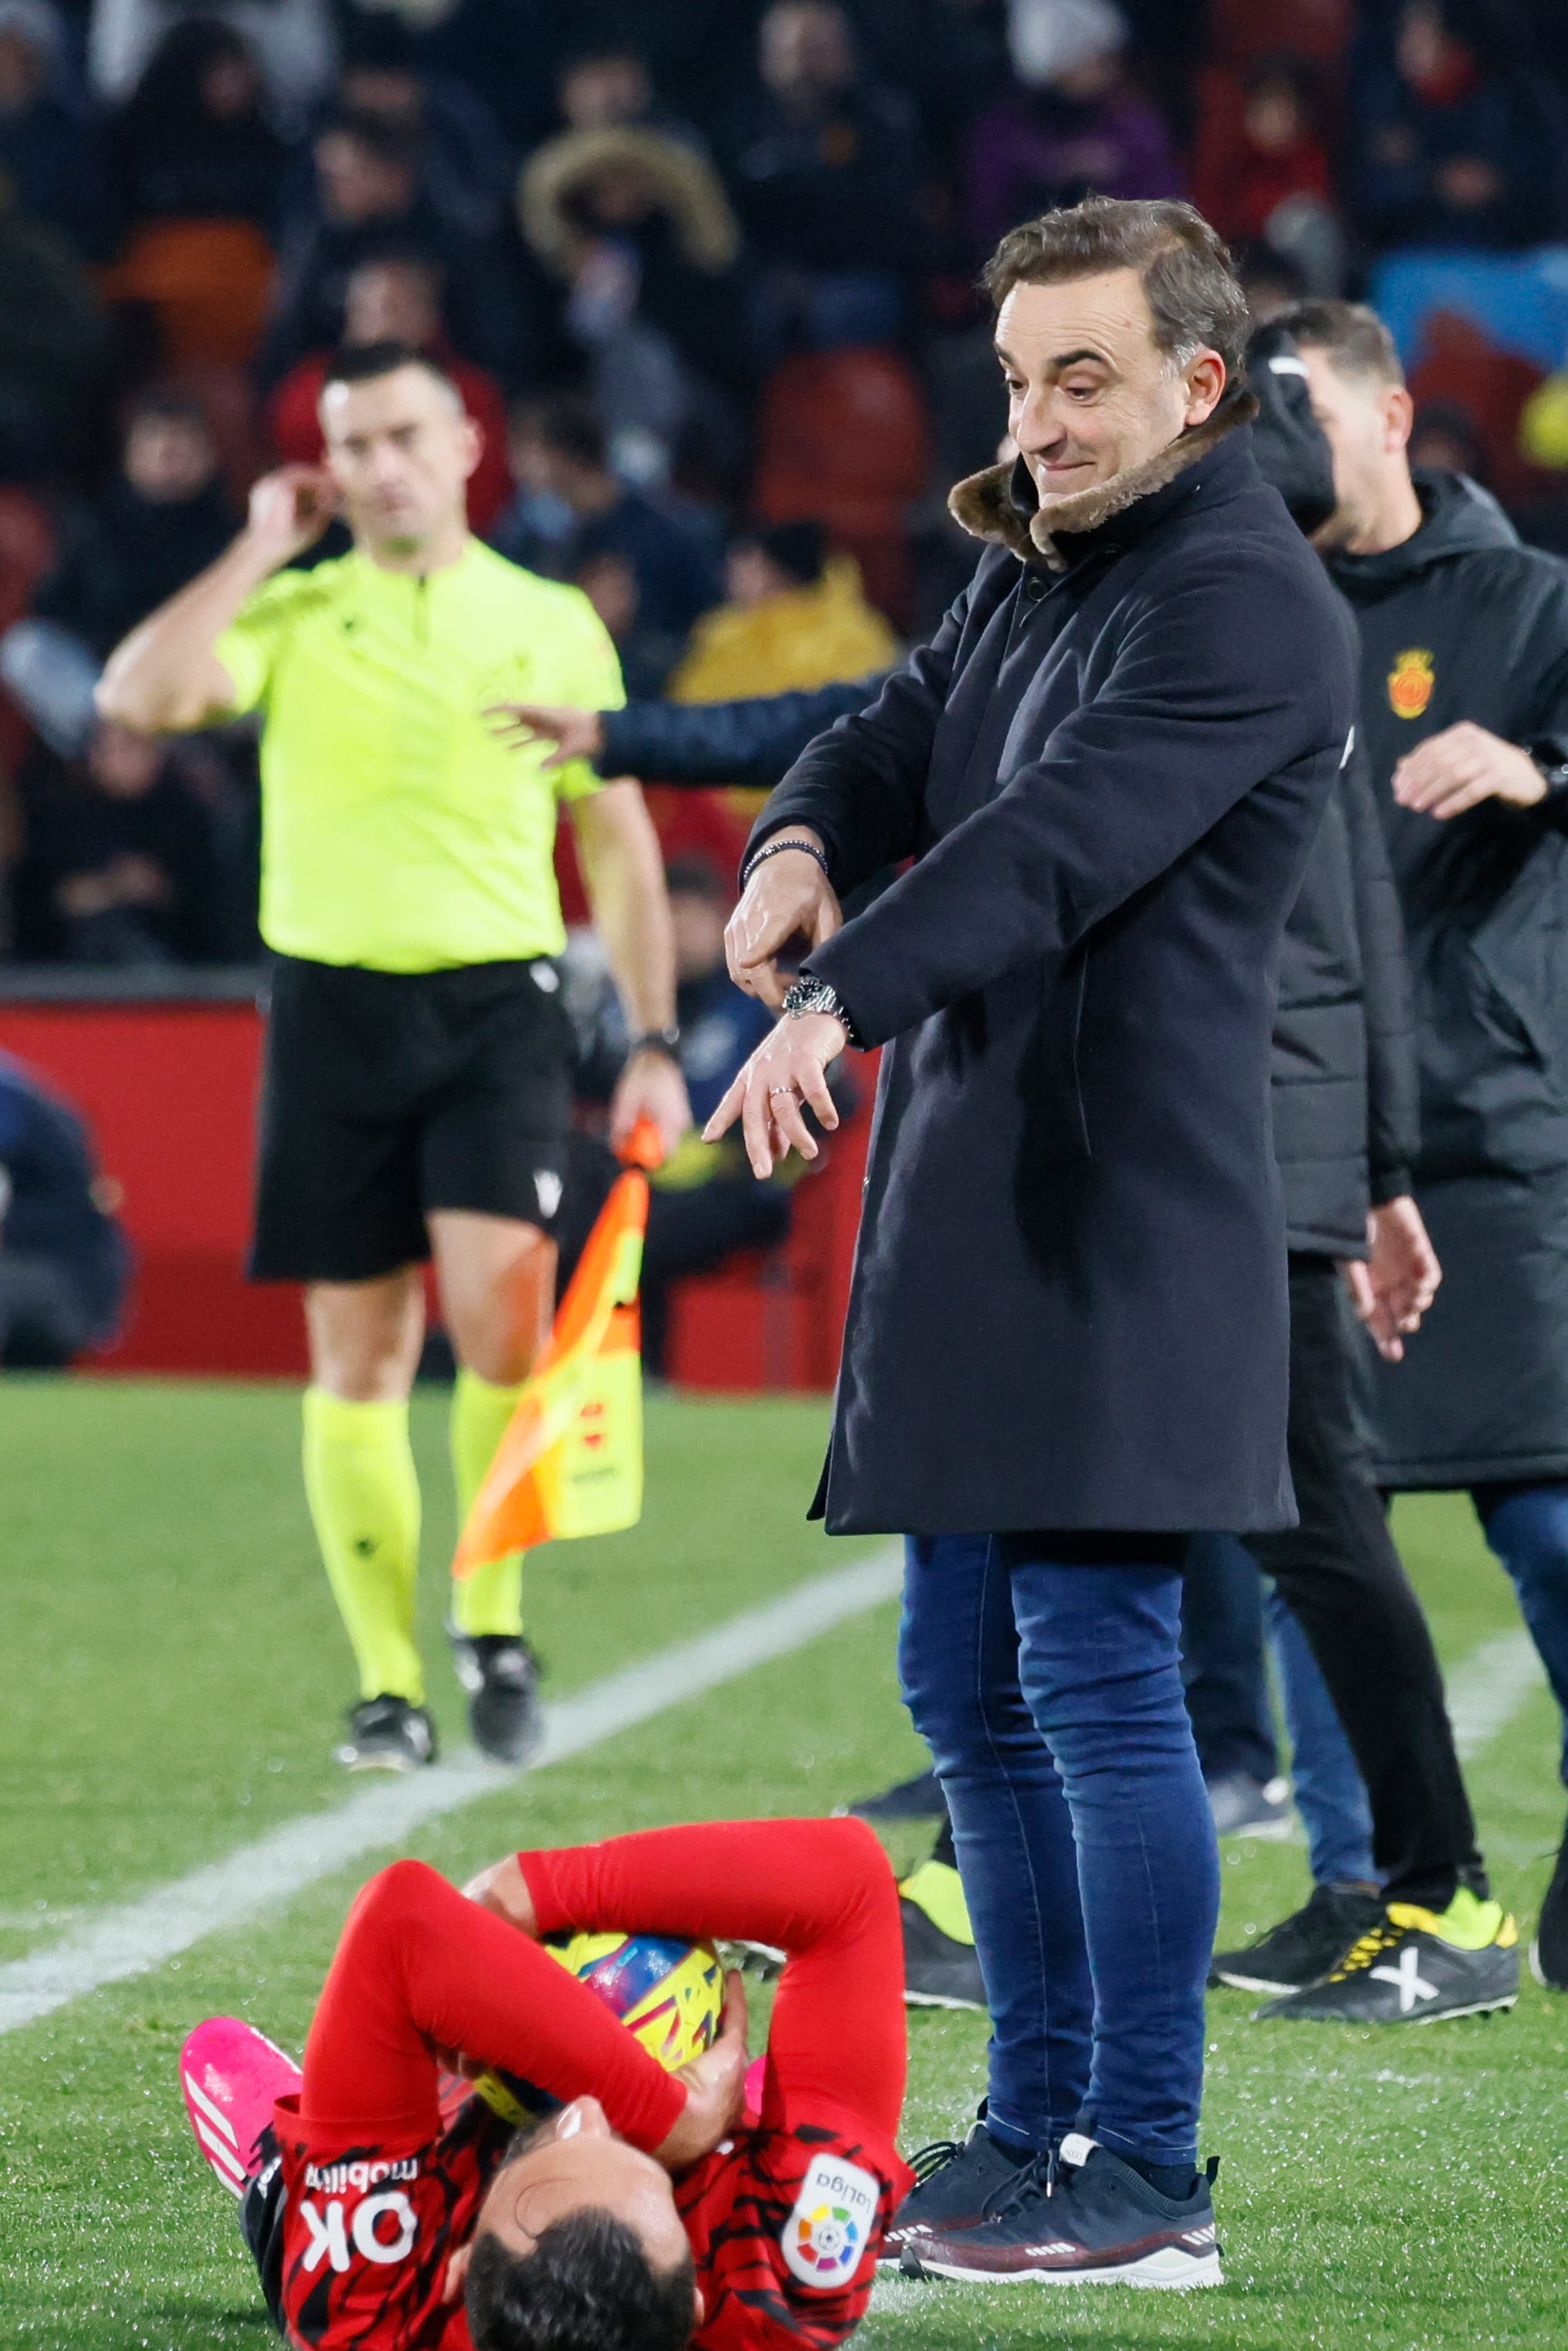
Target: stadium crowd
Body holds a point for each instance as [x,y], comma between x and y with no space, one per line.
[706,277]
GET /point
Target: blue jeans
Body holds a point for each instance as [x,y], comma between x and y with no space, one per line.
[1331,1794]
[1050,1695]
[1527,1528]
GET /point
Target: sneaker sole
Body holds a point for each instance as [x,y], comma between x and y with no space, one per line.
[1234,1983]
[1168,2270]
[942,2000]
[1441,2016]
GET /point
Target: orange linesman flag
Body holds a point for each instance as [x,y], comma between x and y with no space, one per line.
[570,1462]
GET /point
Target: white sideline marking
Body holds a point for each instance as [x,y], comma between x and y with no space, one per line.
[136,1935]
[1486,1690]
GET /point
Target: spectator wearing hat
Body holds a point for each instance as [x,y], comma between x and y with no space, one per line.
[1074,123]
[395,298]
[795,617]
[637,223]
[48,148]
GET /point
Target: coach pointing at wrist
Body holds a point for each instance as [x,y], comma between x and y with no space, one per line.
[1067,1337]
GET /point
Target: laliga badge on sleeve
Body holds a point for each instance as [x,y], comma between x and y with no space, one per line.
[826,2236]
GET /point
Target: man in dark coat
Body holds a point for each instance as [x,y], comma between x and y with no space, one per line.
[1067,1340]
[1464,701]
[1346,1134]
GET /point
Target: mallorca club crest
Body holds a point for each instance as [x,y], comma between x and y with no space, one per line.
[826,2235]
[1410,682]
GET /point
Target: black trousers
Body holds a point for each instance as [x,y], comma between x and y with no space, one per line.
[1342,1579]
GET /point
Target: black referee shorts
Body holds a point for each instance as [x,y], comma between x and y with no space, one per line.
[387,1094]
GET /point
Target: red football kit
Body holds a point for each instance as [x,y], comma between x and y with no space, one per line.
[785,2218]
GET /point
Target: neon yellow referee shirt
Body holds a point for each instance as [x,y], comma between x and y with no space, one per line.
[397,832]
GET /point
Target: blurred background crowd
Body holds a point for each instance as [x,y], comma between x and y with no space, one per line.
[705,271]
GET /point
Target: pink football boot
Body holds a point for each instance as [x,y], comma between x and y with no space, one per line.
[230,2074]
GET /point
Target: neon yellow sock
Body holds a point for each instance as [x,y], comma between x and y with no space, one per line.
[364,1500]
[938,1890]
[491,1601]
[1468,1923]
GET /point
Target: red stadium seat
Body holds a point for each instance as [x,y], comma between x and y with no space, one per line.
[1457,366]
[844,439]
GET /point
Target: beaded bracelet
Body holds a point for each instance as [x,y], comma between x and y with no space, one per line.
[772,849]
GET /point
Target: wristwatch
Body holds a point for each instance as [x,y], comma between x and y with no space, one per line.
[804,996]
[1548,757]
[657,1040]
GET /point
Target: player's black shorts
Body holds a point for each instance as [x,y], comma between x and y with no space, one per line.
[387,1094]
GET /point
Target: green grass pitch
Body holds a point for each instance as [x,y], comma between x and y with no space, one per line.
[174,1676]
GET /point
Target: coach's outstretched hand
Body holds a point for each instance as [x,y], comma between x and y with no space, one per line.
[788,897]
[715,2087]
[787,1070]
[576,734]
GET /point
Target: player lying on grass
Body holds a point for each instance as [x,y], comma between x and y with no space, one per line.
[649,2213]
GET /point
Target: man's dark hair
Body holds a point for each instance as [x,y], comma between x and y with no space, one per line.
[799,548]
[1353,336]
[1183,265]
[570,426]
[588,2286]
[363,362]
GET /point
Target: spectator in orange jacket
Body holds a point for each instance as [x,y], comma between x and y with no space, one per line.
[396,298]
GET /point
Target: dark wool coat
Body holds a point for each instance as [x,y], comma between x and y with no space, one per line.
[1461,621]
[1069,1307]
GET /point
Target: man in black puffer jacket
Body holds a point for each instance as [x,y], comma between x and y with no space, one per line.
[1464,700]
[1346,1130]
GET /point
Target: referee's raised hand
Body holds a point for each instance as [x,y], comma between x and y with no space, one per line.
[289,509]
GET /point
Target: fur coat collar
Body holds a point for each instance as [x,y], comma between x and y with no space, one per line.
[1000,504]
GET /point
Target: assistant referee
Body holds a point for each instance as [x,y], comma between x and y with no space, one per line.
[416,1098]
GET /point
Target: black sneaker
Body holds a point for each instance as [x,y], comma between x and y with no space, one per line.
[1303,1948]
[501,1676]
[938,1971]
[1549,1948]
[1096,2222]
[919,1799]
[1414,1968]
[955,2181]
[387,1734]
